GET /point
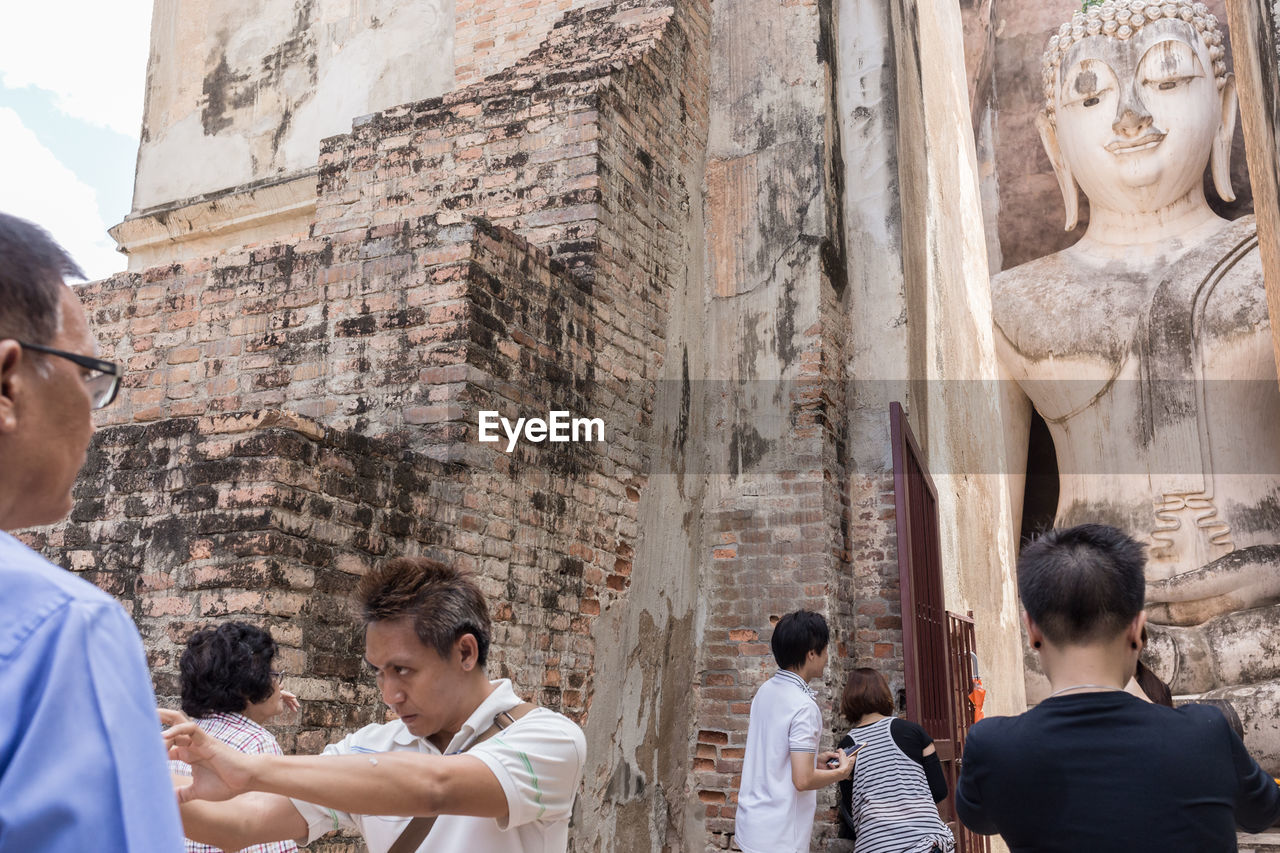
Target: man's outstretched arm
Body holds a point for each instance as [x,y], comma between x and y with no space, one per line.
[390,783]
[405,783]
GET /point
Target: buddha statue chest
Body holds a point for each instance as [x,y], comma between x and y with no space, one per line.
[1156,384]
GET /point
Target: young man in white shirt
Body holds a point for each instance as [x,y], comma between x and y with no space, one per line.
[476,768]
[782,769]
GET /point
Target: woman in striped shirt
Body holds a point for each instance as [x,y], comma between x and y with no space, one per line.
[889,803]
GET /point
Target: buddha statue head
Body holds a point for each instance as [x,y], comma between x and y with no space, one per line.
[1137,102]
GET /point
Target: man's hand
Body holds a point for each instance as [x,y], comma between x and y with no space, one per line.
[843,763]
[846,764]
[218,771]
[290,701]
[809,772]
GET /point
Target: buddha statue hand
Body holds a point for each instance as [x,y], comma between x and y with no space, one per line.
[1242,580]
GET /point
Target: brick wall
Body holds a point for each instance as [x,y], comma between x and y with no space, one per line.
[349,344]
[493,34]
[494,325]
[378,340]
[783,526]
[876,589]
[520,149]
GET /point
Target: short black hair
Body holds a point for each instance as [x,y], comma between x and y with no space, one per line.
[1082,584]
[797,634]
[225,669]
[32,271]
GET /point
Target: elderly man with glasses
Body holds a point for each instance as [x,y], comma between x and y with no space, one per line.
[82,766]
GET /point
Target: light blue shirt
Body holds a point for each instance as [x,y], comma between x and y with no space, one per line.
[82,764]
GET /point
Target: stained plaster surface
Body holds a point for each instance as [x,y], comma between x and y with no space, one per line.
[244,90]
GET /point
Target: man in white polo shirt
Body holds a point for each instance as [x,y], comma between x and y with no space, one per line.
[782,769]
[476,768]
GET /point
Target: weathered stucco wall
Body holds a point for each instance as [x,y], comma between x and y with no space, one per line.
[239,96]
[1258,84]
[919,322]
[776,520]
[652,136]
[243,91]
[958,407]
[874,321]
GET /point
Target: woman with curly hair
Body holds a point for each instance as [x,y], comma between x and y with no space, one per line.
[231,690]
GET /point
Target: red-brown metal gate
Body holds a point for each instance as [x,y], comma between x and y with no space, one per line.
[935,643]
[962,649]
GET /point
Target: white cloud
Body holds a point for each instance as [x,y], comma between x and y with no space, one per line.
[35,185]
[92,55]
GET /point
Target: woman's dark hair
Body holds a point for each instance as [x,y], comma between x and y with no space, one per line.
[797,634]
[866,693]
[225,669]
[1152,685]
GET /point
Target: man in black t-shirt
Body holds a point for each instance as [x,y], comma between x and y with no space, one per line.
[1092,767]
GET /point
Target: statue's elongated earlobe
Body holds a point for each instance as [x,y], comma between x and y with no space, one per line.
[1220,159]
[1066,181]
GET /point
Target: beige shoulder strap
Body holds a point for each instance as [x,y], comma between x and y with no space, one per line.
[420,827]
[502,721]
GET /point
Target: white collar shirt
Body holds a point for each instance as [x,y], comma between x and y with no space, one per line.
[772,816]
[538,760]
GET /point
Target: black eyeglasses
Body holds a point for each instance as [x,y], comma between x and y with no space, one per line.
[277,676]
[103,383]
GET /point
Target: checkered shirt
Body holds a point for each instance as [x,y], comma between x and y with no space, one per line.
[244,734]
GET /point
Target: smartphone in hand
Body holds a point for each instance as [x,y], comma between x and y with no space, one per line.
[848,750]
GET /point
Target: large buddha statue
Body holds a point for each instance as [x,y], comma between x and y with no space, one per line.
[1146,345]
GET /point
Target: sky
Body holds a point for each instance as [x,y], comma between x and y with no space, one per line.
[72,82]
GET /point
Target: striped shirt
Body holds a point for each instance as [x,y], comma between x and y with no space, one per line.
[891,804]
[244,734]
